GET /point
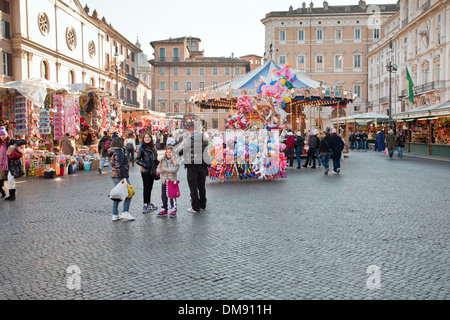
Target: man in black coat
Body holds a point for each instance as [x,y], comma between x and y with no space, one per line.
[299,146]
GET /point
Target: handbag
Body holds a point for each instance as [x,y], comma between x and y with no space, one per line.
[16,168]
[153,174]
[131,191]
[173,189]
[386,151]
[120,191]
[16,154]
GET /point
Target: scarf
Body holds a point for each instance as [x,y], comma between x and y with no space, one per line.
[3,156]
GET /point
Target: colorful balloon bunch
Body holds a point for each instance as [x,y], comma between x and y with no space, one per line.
[238,120]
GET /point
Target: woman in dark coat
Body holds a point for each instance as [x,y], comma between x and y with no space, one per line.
[146,155]
[379,142]
[336,146]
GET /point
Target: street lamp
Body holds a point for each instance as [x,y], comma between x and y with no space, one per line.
[185,101]
[116,56]
[391,68]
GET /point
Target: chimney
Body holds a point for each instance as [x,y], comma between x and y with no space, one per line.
[232,54]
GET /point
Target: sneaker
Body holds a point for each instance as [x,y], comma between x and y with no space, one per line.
[319,167]
[162,213]
[145,209]
[116,218]
[173,214]
[192,210]
[299,167]
[202,209]
[127,216]
[339,170]
[151,206]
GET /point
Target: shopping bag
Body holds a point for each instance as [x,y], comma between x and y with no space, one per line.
[173,189]
[119,192]
[131,191]
[386,151]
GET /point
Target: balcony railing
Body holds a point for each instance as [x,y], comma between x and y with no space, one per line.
[404,22]
[132,103]
[427,87]
[132,78]
[176,59]
[426,5]
[384,100]
[162,59]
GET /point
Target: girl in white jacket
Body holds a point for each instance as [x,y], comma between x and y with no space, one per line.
[167,169]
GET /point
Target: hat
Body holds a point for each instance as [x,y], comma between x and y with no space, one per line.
[315,131]
[299,133]
[311,133]
[333,131]
[3,131]
[290,134]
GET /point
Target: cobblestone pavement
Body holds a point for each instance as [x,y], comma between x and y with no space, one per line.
[309,236]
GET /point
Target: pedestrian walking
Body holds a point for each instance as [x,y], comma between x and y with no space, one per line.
[103,146]
[319,160]
[193,150]
[120,171]
[171,141]
[146,158]
[390,143]
[379,142]
[337,146]
[401,140]
[167,169]
[325,151]
[311,159]
[290,148]
[299,146]
[130,146]
[10,164]
[351,139]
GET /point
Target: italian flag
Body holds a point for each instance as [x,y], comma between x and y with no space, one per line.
[409,86]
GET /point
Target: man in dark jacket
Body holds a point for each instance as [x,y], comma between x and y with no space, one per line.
[337,146]
[401,140]
[193,149]
[103,147]
[351,139]
[390,142]
[299,146]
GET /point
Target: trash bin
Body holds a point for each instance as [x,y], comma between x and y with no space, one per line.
[87,166]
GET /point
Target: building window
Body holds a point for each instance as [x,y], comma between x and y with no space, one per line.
[193,43]
[357,34]
[282,36]
[162,86]
[338,62]
[237,71]
[162,107]
[176,54]
[376,33]
[5,29]
[132,56]
[162,54]
[202,71]
[227,71]
[338,35]
[188,71]
[162,71]
[319,59]
[357,91]
[282,60]
[214,71]
[202,85]
[45,70]
[319,35]
[43,23]
[71,77]
[175,71]
[93,82]
[188,86]
[176,86]
[301,62]
[71,38]
[301,35]
[176,107]
[7,64]
[357,61]
[134,96]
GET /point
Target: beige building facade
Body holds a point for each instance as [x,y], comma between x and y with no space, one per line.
[420,42]
[63,42]
[180,68]
[329,44]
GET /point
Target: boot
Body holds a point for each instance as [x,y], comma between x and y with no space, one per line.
[12,195]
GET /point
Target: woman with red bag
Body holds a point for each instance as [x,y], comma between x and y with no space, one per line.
[167,169]
[10,154]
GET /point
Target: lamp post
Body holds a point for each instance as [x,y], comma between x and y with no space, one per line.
[116,56]
[391,68]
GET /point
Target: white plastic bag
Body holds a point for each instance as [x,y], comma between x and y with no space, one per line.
[119,192]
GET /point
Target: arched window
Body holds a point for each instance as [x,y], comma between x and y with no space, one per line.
[45,72]
[93,82]
[71,77]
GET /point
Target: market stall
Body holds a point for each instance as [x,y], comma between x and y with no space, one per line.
[429,129]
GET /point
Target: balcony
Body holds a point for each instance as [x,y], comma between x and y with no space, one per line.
[384,100]
[176,59]
[132,79]
[162,59]
[132,103]
[428,87]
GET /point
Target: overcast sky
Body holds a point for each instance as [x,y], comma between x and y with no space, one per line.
[224,26]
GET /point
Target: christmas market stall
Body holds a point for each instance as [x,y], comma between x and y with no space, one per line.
[262,104]
[427,128]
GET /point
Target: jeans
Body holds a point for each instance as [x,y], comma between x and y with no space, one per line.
[352,145]
[298,154]
[316,153]
[130,155]
[126,202]
[290,156]
[336,164]
[196,176]
[391,153]
[102,164]
[400,152]
[364,145]
[326,159]
[358,144]
[165,199]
